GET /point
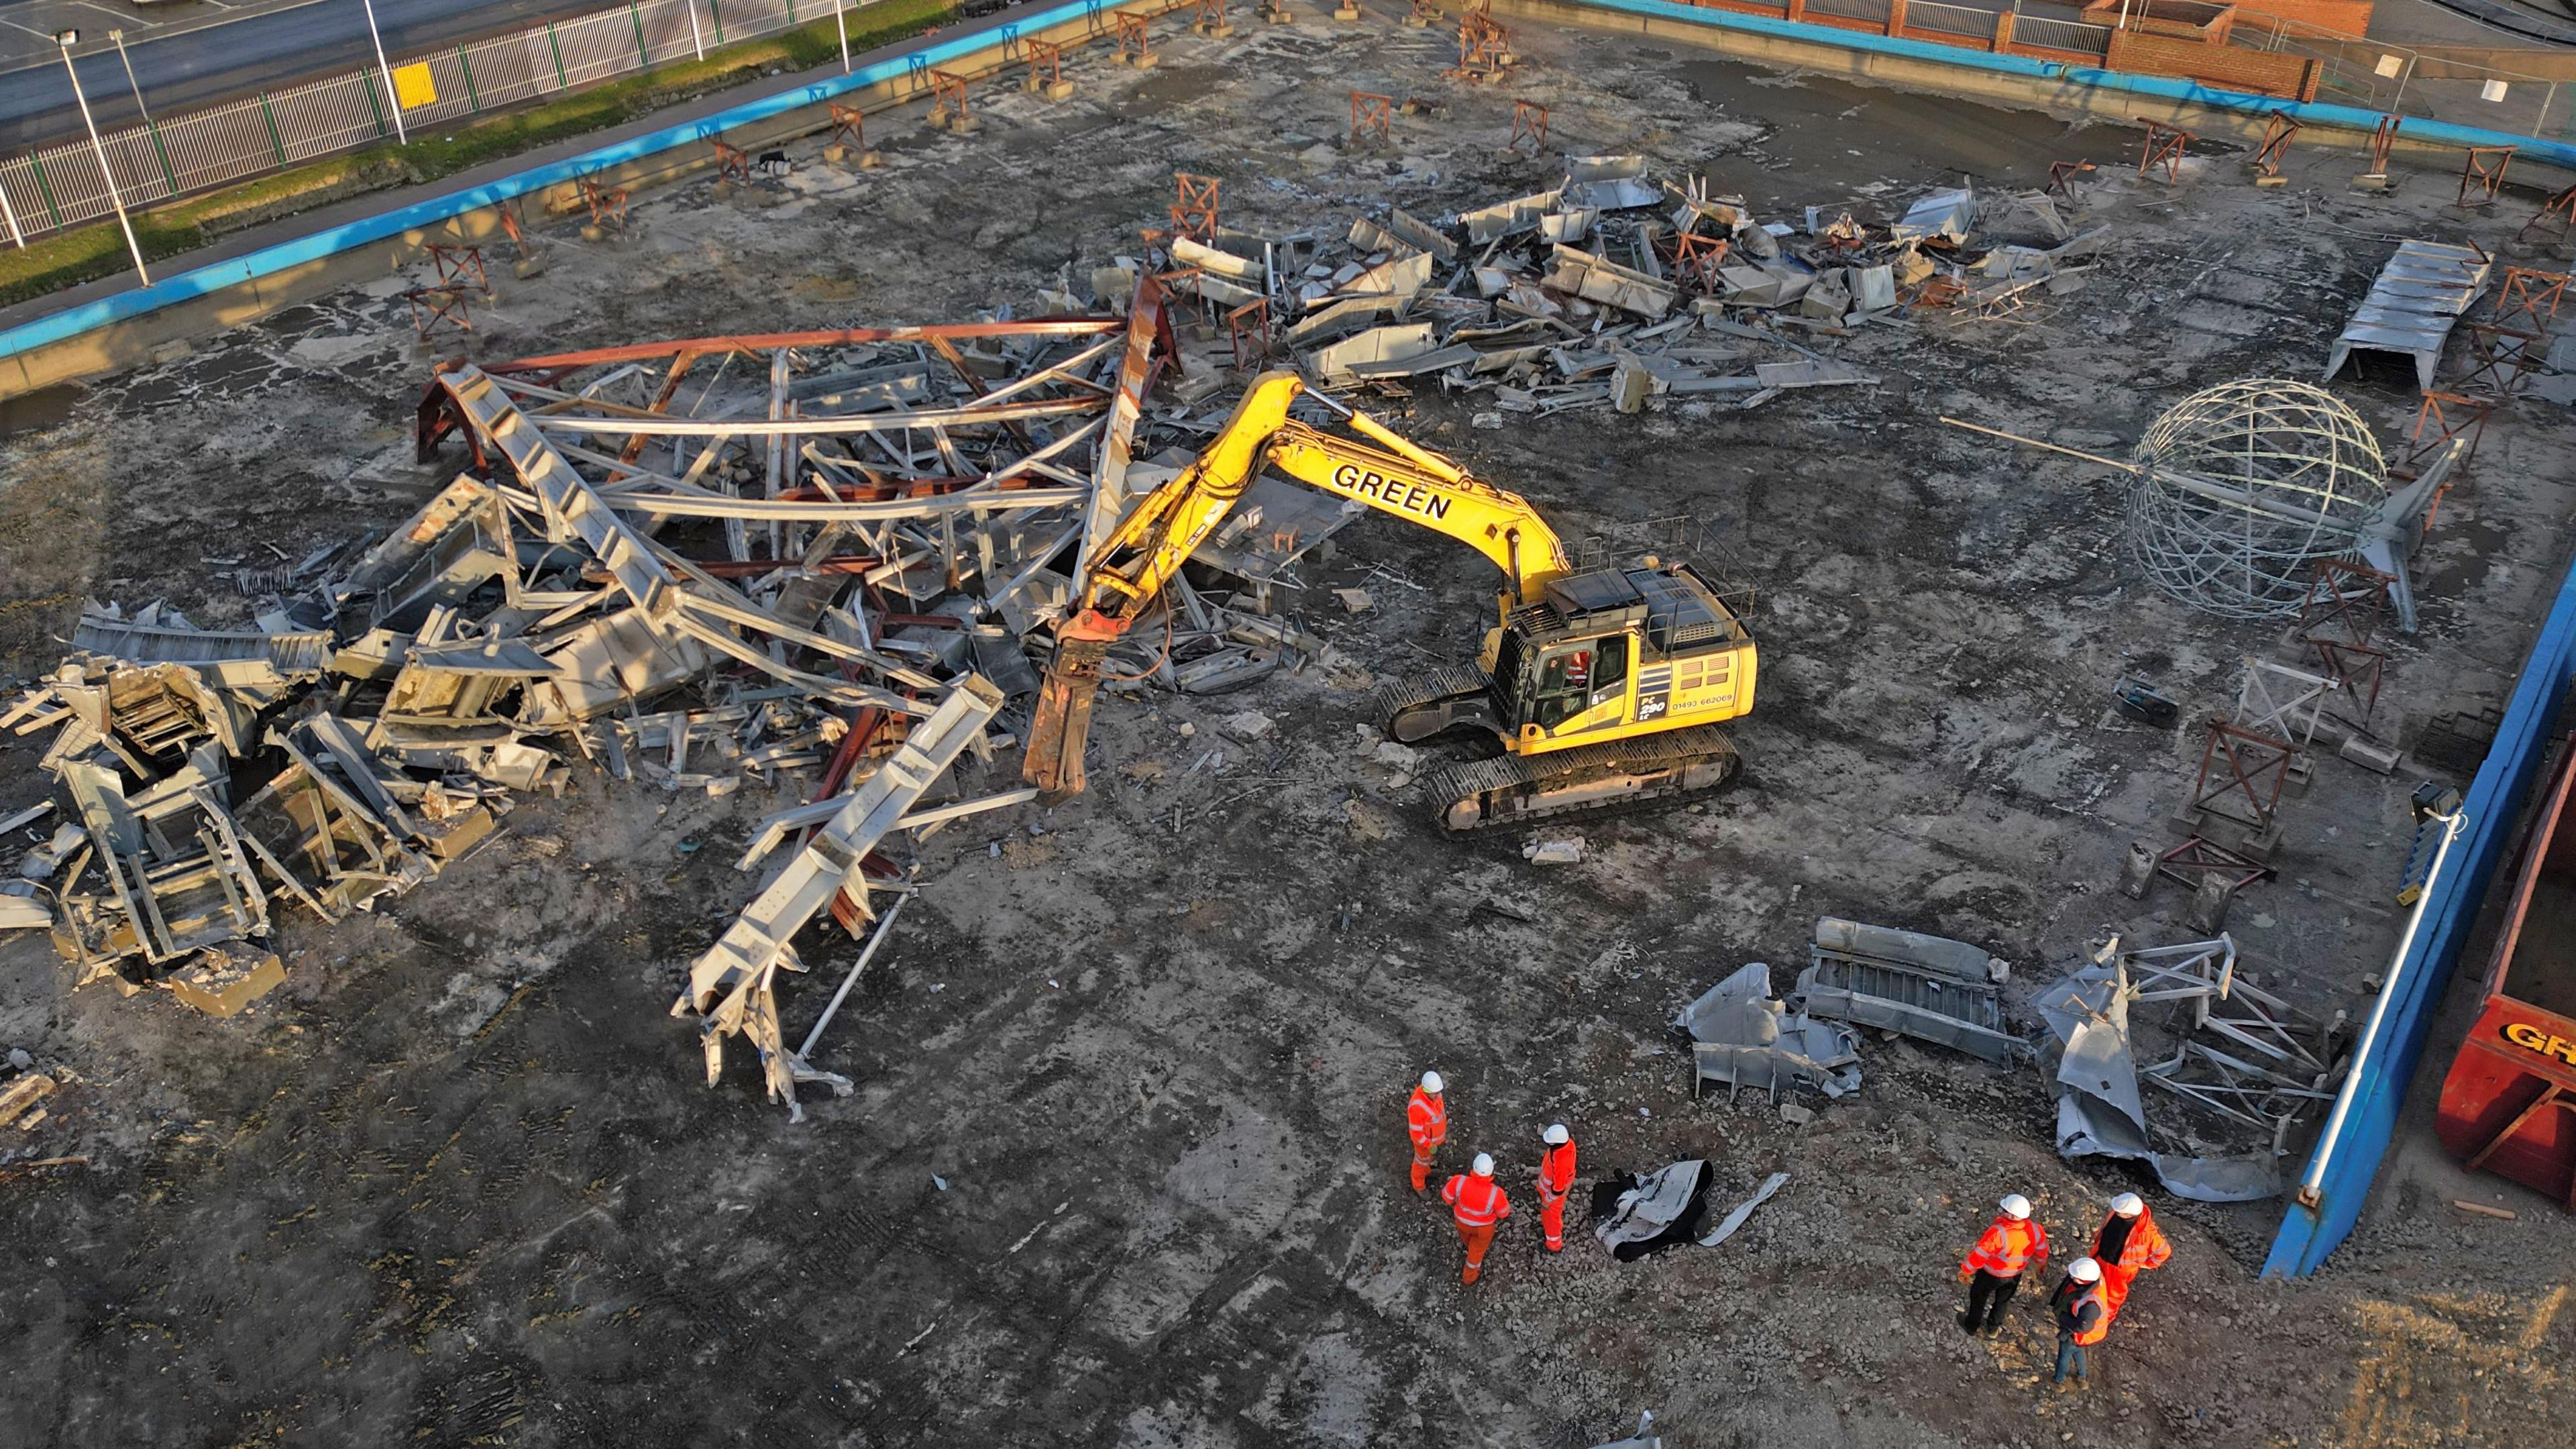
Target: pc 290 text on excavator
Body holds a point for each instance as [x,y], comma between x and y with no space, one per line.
[1602,687]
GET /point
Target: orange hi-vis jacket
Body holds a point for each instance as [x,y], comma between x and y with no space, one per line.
[1426,1117]
[2009,1245]
[1556,1171]
[1476,1201]
[2101,1325]
[2146,1247]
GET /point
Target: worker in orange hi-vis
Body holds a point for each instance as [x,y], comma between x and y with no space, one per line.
[2128,1244]
[1426,1121]
[1478,1204]
[1994,1266]
[1555,1180]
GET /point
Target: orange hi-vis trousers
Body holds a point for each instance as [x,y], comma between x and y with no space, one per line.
[1477,1240]
[1422,1158]
[1551,1217]
[2116,1282]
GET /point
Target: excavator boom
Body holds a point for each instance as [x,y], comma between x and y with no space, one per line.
[1605,688]
[1132,566]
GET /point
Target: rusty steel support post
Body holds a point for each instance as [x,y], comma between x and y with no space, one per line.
[2163,148]
[2481,176]
[1372,118]
[2278,129]
[1529,123]
[1194,206]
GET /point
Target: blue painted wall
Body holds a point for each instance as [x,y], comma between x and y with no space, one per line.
[2308,1235]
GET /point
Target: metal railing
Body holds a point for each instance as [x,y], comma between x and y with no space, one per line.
[1950,19]
[1874,11]
[2075,37]
[60,186]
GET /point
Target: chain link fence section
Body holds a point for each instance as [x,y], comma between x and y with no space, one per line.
[60,186]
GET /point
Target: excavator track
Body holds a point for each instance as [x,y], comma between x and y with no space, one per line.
[1587,780]
[1396,697]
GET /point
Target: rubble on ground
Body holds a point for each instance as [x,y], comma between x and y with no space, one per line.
[1742,1036]
[1927,987]
[2241,1055]
[1634,1215]
[2236,1051]
[723,563]
[808,563]
[1611,288]
[1743,1210]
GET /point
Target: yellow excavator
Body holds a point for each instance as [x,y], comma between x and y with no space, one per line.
[1603,687]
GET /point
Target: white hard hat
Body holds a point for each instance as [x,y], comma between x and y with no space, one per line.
[1431,1083]
[2128,1205]
[2084,1270]
[1484,1164]
[2016,1207]
[1556,1135]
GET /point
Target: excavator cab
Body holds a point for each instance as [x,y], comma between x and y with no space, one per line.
[1616,651]
[1569,685]
[1605,691]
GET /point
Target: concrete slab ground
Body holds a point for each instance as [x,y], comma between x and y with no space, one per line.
[1125,1162]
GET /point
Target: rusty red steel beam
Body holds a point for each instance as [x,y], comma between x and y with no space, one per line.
[969,415]
[864,724]
[846,911]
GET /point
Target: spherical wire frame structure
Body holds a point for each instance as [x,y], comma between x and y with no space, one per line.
[2239,489]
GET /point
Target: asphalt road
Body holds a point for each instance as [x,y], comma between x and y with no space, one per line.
[201,51]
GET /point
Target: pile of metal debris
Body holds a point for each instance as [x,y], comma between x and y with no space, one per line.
[1927,987]
[1901,982]
[2235,1051]
[207,781]
[1605,289]
[1743,1037]
[798,561]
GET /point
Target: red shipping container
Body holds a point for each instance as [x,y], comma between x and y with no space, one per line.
[2509,1103]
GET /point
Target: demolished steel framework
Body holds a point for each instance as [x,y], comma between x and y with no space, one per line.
[2278,131]
[2241,776]
[2163,147]
[2482,176]
[837,541]
[2241,1052]
[2236,1051]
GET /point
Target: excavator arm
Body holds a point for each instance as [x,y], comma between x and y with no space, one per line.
[1427,490]
[1134,563]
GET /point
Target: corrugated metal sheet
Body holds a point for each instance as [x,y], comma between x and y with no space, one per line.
[2413,304]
